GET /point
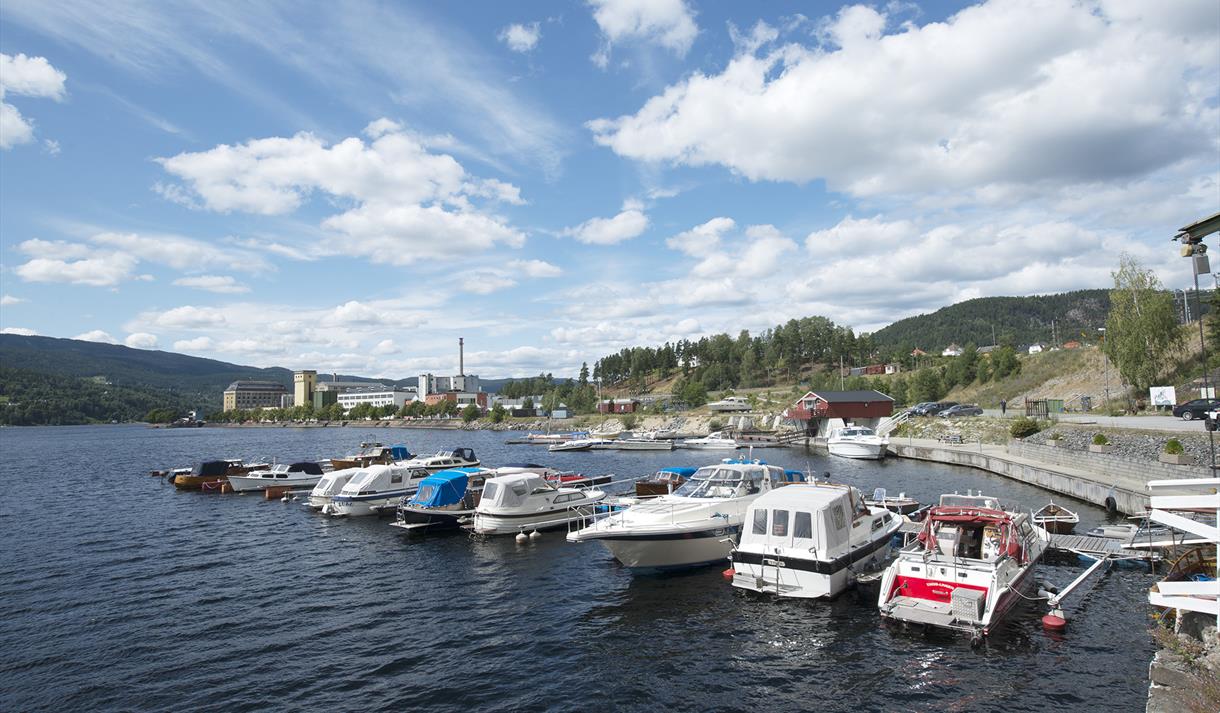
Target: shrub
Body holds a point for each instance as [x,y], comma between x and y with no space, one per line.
[1099,439]
[1023,427]
[714,424]
[1174,447]
[628,421]
[1056,436]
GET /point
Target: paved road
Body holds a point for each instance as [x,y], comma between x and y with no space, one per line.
[1152,423]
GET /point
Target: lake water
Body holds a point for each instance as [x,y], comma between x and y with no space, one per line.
[120,593]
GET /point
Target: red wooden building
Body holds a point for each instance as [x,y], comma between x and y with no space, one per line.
[847,405]
[618,406]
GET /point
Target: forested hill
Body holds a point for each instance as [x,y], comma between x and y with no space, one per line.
[1016,320]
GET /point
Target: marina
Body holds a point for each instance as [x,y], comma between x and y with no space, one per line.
[594,608]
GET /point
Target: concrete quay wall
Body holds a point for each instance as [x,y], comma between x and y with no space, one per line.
[1128,492]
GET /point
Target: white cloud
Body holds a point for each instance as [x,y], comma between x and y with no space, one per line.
[213,283]
[629,223]
[1001,93]
[384,347]
[58,249]
[181,253]
[198,344]
[25,76]
[141,340]
[101,270]
[406,197]
[535,268]
[97,335]
[190,317]
[521,38]
[22,331]
[668,23]
[8,300]
[701,239]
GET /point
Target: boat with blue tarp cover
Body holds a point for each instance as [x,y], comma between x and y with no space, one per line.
[444,500]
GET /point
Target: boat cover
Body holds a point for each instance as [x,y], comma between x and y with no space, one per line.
[400,452]
[443,488]
[794,476]
[307,467]
[684,472]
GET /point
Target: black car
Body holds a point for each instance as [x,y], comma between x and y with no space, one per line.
[1197,408]
[936,408]
[961,410]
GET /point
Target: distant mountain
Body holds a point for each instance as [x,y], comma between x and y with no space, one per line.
[1020,320]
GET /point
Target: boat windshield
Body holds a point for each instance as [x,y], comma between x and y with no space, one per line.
[720,483]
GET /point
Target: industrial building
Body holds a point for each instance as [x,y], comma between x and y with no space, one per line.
[253,394]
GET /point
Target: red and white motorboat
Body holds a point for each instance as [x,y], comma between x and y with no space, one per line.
[971,563]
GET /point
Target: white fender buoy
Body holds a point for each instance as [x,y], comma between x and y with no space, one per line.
[522,538]
[535,535]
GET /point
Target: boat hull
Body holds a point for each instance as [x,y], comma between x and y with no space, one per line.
[644,446]
[493,524]
[667,551]
[810,578]
[198,482]
[861,451]
[430,520]
[363,505]
[245,483]
[1057,527]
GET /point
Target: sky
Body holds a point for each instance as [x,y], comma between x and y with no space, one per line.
[353,186]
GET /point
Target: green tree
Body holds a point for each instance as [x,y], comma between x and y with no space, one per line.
[471,412]
[497,413]
[1142,330]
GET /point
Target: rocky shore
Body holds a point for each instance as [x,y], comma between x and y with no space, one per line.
[1136,445]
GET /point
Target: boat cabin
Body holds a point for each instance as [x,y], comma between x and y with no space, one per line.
[509,492]
[448,487]
[731,480]
[665,481]
[817,518]
[379,478]
[975,527]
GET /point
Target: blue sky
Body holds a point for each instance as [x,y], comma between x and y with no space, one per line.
[352,186]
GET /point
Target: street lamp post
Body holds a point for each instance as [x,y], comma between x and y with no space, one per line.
[1105,366]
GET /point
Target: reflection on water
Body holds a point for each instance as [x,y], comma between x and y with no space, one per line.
[121,593]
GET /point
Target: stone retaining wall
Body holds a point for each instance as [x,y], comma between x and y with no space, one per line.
[1108,464]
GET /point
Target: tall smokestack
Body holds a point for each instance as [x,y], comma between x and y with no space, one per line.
[461,357]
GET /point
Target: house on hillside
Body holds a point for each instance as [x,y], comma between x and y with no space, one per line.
[1036,348]
[984,351]
[1071,344]
[893,368]
[823,411]
[953,350]
[618,406]
[917,352]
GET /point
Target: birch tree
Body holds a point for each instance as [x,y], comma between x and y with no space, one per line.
[1142,330]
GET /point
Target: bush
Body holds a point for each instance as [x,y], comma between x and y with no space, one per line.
[470,413]
[1056,436]
[628,421]
[1099,439]
[1174,447]
[1023,427]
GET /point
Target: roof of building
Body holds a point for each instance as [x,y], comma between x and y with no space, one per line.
[251,385]
[349,385]
[838,397]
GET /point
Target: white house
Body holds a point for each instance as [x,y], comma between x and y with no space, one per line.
[953,350]
[396,396]
[1035,348]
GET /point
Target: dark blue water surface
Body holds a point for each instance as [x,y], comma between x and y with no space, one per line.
[120,593]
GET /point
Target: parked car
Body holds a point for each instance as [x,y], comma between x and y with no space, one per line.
[961,410]
[936,408]
[918,409]
[1197,408]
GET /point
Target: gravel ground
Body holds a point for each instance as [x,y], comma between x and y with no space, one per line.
[1137,445]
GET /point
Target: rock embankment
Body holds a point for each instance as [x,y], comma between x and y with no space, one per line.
[1136,445]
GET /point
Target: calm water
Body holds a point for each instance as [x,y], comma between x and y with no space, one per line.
[120,593]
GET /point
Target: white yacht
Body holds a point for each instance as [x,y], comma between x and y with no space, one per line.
[525,502]
[696,524]
[811,541]
[971,564]
[643,444]
[297,475]
[329,486]
[583,444]
[856,442]
[444,460]
[376,488]
[730,404]
[712,441]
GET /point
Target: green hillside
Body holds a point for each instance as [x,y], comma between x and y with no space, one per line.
[1015,320]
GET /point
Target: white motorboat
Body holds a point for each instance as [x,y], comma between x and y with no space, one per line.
[297,475]
[582,444]
[696,524]
[856,442]
[642,444]
[376,488]
[444,460]
[971,564]
[329,486]
[525,502]
[555,437]
[658,434]
[811,541]
[444,500]
[730,404]
[1055,519]
[899,503]
[712,441]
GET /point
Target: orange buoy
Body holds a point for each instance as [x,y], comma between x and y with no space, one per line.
[1054,621]
[728,574]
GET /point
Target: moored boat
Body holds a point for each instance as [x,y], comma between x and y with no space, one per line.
[376,488]
[525,502]
[1056,519]
[212,473]
[899,503]
[372,453]
[695,525]
[856,442]
[329,486]
[642,444]
[582,444]
[712,441]
[444,460]
[972,562]
[444,500]
[305,474]
[811,541]
[664,482]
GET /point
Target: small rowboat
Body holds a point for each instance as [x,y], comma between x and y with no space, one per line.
[1056,519]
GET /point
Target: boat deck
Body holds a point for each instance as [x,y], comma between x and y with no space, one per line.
[1080,544]
[923,611]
